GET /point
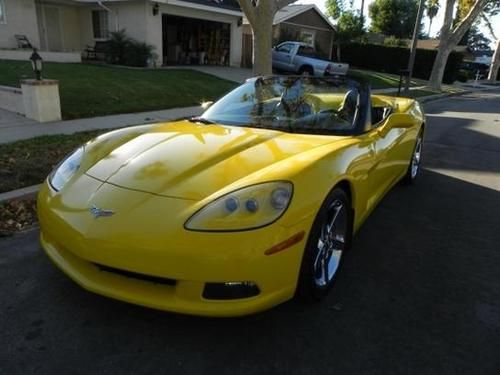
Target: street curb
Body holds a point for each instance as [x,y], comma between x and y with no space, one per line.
[19,193]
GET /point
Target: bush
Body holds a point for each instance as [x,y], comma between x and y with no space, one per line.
[124,50]
[393,59]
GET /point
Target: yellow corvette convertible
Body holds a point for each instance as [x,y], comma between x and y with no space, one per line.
[236,210]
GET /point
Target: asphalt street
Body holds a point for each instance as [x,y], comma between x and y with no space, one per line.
[419,293]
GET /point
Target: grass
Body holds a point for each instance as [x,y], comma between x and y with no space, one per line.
[382,80]
[28,162]
[93,90]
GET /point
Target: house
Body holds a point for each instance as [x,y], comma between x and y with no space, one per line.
[300,22]
[180,30]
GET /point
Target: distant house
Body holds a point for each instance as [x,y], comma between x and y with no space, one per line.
[180,30]
[296,22]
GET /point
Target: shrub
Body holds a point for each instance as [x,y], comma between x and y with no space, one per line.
[394,59]
[116,47]
[124,50]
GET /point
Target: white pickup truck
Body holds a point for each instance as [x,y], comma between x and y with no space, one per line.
[301,58]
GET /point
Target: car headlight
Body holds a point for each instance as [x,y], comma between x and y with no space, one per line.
[66,169]
[247,208]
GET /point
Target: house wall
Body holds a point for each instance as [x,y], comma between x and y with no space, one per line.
[20,19]
[130,15]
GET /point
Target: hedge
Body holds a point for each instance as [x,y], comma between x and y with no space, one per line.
[393,59]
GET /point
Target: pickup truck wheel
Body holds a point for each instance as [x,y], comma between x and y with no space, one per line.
[306,71]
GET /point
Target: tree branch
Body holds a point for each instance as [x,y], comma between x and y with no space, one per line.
[489,25]
[248,9]
[466,23]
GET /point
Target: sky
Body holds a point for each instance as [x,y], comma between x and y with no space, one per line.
[436,23]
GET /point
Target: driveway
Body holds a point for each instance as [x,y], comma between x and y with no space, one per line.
[419,294]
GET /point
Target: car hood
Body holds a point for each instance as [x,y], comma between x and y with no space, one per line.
[192,161]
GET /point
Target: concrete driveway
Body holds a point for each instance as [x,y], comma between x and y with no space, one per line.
[419,294]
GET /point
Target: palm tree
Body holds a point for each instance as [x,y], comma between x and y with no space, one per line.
[432,7]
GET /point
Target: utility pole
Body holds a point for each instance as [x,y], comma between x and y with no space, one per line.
[413,50]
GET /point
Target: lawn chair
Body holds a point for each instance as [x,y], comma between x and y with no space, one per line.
[97,52]
[23,42]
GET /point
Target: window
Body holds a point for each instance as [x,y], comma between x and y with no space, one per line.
[100,24]
[306,51]
[285,48]
[307,37]
[2,12]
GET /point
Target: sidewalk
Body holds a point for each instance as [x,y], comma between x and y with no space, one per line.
[15,127]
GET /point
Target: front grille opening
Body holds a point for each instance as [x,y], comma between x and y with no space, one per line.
[230,290]
[138,276]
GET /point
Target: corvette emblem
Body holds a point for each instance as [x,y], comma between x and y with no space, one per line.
[99,212]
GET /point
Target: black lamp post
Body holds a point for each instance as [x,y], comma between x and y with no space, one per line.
[36,64]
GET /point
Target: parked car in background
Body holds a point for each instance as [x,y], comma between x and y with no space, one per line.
[302,58]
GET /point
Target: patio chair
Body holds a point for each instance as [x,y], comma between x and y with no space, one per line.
[23,42]
[97,51]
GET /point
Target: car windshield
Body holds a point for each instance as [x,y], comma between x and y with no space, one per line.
[293,104]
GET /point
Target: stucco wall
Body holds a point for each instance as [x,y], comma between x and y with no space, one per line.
[20,19]
[128,15]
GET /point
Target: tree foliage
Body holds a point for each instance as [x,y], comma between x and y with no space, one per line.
[349,22]
[393,17]
[432,9]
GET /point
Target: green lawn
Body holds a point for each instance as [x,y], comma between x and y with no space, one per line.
[382,80]
[28,162]
[93,90]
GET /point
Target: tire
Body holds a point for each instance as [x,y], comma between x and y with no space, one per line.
[415,161]
[318,269]
[306,71]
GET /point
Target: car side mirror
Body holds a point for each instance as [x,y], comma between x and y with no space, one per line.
[206,105]
[400,121]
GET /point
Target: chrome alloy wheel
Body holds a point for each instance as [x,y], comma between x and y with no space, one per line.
[417,156]
[331,244]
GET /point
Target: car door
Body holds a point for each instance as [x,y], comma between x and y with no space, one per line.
[282,56]
[388,144]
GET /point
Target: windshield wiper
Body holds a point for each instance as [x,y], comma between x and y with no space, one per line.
[201,120]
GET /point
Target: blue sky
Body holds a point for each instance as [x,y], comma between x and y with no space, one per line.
[436,23]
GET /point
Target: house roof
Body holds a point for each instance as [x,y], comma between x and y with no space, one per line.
[221,4]
[293,10]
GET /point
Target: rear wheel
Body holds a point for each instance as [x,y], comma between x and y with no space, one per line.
[416,159]
[306,71]
[329,238]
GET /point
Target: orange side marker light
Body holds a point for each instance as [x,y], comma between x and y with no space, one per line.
[296,238]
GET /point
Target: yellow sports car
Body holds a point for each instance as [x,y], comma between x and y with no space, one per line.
[236,210]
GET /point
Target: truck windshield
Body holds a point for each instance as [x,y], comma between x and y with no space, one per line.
[292,104]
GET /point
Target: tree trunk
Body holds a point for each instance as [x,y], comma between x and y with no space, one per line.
[262,47]
[495,63]
[339,52]
[450,36]
[430,25]
[438,68]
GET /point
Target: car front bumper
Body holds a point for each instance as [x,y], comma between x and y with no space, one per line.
[86,248]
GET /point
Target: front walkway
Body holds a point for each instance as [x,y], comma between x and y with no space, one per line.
[14,127]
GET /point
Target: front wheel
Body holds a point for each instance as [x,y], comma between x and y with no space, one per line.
[416,160]
[329,238]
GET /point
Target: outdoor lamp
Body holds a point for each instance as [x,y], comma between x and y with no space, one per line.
[36,64]
[156,9]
